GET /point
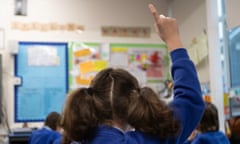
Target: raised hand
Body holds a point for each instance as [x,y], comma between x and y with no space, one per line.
[167,29]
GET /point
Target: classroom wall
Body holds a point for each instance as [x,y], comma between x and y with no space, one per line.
[192,21]
[232,11]
[92,14]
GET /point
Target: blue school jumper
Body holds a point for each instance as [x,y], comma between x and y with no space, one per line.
[58,141]
[44,136]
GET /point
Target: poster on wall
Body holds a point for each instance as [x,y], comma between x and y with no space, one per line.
[148,62]
[42,68]
[85,60]
[198,49]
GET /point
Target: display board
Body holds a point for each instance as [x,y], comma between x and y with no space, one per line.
[85,60]
[43,70]
[149,63]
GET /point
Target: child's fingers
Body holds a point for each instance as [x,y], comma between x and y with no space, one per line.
[154,12]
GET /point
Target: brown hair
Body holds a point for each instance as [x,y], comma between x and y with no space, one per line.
[83,112]
[116,86]
[53,120]
[151,115]
[65,139]
[116,94]
[235,130]
[210,120]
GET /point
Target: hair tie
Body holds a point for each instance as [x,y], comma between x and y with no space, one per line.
[90,91]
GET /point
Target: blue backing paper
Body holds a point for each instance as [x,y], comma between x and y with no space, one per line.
[43,88]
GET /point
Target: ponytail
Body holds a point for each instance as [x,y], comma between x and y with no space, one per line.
[80,114]
[150,115]
[65,139]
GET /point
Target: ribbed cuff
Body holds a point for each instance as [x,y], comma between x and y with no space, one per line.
[179,54]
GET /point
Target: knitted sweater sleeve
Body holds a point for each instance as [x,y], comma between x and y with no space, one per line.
[188,105]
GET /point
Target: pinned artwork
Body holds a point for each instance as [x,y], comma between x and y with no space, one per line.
[85,60]
[198,49]
[147,62]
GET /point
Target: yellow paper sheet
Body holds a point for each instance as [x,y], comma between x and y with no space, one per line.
[119,49]
[100,64]
[86,67]
[83,81]
[82,52]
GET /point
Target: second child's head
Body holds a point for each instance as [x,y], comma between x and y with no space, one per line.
[53,120]
[210,120]
[114,96]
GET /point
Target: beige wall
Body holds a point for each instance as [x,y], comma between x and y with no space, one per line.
[232,11]
[92,14]
[192,21]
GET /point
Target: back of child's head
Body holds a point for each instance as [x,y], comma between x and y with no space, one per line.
[116,94]
[79,115]
[151,115]
[117,87]
[53,119]
[210,120]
